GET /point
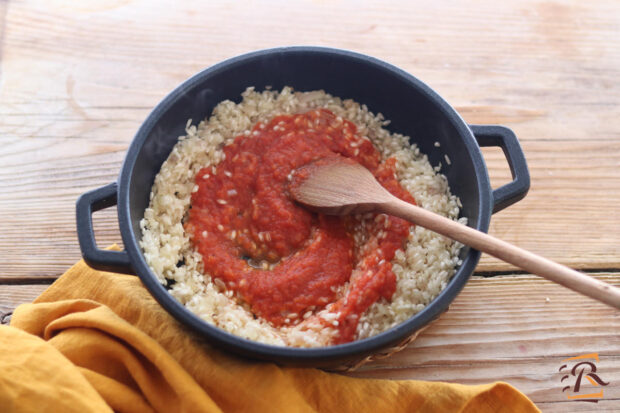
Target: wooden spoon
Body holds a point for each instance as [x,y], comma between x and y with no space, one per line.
[340,186]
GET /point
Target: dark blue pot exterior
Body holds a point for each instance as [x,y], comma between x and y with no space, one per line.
[414,110]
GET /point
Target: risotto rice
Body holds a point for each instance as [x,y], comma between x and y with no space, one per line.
[422,268]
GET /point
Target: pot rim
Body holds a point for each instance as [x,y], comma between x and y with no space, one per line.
[293,354]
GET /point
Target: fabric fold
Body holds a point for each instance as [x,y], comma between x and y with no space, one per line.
[112,347]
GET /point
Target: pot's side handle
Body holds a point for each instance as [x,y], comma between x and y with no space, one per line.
[105,260]
[493,135]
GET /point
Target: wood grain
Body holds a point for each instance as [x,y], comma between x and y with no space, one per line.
[547,69]
[78,78]
[571,213]
[569,216]
[516,329]
[77,81]
[13,295]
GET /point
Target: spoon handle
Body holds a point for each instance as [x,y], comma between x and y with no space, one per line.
[505,251]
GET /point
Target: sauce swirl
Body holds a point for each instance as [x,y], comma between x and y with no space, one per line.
[281,259]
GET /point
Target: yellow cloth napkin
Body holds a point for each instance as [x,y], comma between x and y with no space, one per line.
[97,341]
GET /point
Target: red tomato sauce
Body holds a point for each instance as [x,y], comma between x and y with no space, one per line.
[278,257]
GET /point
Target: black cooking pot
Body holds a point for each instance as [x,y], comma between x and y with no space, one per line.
[414,110]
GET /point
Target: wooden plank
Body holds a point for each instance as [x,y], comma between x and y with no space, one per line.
[577,406]
[516,329]
[570,214]
[509,42]
[13,295]
[70,103]
[547,69]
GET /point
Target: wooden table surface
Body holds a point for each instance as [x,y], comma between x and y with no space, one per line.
[78,78]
